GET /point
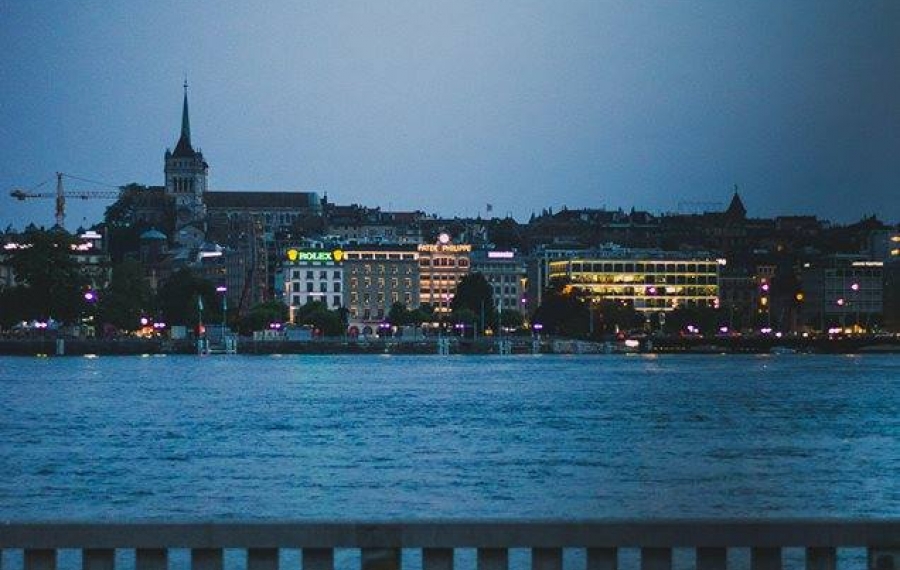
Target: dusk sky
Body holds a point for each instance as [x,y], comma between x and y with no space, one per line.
[447,106]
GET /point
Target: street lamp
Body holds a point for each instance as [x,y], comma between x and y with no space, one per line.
[223,289]
[855,288]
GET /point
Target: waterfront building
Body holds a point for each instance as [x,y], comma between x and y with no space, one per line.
[649,280]
[441,267]
[376,277]
[311,275]
[842,291]
[506,272]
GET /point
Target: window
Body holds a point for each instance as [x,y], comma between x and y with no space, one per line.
[295,287]
[337,287]
[323,287]
[395,282]
[407,282]
[336,301]
[323,275]
[295,274]
[309,274]
[309,287]
[336,275]
[295,300]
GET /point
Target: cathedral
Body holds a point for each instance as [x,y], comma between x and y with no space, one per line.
[202,214]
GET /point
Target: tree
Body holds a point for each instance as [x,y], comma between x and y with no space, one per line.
[50,278]
[706,319]
[613,316]
[178,299]
[475,294]
[316,314]
[14,306]
[562,313]
[127,298]
[261,315]
[399,315]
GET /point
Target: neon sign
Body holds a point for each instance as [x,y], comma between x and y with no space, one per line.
[298,255]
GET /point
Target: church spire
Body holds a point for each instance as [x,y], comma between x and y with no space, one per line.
[183,148]
[185,119]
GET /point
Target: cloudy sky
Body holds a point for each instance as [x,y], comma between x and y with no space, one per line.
[448,105]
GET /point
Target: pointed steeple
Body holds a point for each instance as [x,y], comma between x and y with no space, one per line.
[736,210]
[183,148]
[185,118]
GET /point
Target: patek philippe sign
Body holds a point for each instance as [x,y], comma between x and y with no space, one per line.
[301,255]
[444,245]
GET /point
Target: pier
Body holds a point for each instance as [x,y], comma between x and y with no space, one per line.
[381,543]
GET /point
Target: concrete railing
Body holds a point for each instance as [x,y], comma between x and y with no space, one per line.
[381,543]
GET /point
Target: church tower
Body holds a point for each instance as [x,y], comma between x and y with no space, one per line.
[186,173]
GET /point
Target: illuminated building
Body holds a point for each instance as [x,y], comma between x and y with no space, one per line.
[506,272]
[312,275]
[653,282]
[441,267]
[376,278]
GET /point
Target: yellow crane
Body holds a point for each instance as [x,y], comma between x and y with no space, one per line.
[60,195]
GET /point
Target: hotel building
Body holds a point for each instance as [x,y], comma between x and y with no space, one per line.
[441,267]
[506,272]
[376,278]
[312,275]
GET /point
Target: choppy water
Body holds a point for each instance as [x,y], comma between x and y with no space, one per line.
[429,437]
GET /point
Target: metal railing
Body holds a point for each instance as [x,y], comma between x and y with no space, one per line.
[380,543]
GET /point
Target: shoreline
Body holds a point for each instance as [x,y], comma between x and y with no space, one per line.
[47,347]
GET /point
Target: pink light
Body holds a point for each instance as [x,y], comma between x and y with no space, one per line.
[840,302]
[855,286]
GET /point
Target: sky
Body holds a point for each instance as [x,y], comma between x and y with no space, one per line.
[446,106]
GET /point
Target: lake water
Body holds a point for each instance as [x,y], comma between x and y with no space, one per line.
[345,437]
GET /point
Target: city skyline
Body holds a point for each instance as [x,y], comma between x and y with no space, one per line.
[448,108]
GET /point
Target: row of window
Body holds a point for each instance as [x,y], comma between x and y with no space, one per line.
[379,298]
[443,262]
[376,256]
[295,274]
[299,300]
[646,280]
[310,286]
[367,269]
[380,282]
[636,267]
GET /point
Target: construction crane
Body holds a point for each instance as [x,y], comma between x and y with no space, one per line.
[60,195]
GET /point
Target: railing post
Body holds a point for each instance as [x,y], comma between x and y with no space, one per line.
[602,559]
[39,559]
[656,559]
[546,559]
[318,559]
[712,558]
[262,559]
[437,559]
[493,559]
[765,559]
[884,558]
[380,559]
[206,559]
[98,559]
[151,559]
[819,558]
